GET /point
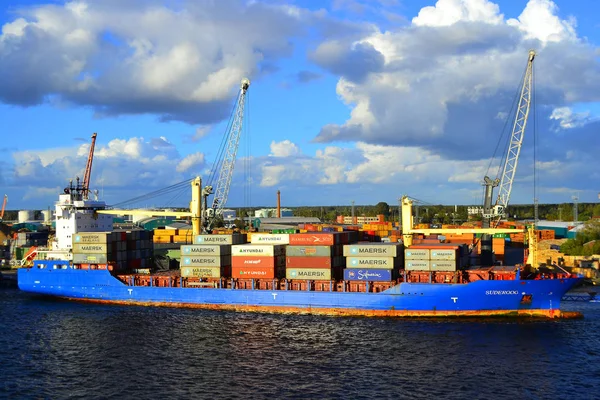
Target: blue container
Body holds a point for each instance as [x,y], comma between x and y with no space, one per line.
[358,274]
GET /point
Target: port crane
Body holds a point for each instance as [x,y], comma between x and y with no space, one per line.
[3,207]
[227,162]
[88,168]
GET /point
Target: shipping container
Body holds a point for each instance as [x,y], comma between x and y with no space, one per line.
[314,262]
[437,254]
[90,259]
[443,265]
[258,262]
[205,272]
[371,262]
[205,261]
[317,274]
[206,249]
[92,248]
[373,249]
[260,250]
[367,274]
[254,272]
[93,237]
[165,232]
[311,251]
[267,238]
[417,254]
[417,265]
[321,239]
[220,239]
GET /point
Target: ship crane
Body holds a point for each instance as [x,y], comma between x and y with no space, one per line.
[88,169]
[514,148]
[227,163]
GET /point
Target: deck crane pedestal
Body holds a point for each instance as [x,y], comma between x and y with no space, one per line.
[227,163]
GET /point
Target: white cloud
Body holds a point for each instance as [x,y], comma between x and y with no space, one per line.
[448,12]
[284,148]
[539,21]
[568,119]
[449,79]
[128,57]
[194,160]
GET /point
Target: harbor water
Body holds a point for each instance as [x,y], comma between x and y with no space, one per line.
[60,349]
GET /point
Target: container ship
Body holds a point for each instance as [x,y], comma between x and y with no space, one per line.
[328,273]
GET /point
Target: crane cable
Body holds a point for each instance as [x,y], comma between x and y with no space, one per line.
[154,194]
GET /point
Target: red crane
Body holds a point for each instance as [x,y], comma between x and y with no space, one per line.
[3,207]
[88,169]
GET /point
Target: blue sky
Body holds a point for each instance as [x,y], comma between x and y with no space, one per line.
[350,100]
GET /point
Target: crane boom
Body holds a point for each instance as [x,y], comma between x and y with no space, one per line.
[3,207]
[88,169]
[226,171]
[516,140]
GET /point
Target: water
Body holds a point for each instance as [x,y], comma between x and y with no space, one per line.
[56,349]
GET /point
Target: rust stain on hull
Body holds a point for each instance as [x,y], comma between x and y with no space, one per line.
[352,312]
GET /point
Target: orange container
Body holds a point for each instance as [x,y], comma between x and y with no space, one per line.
[257,262]
[321,239]
[308,262]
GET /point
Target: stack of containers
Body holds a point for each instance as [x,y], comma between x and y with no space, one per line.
[372,261]
[441,258]
[126,250]
[316,256]
[164,235]
[257,261]
[209,256]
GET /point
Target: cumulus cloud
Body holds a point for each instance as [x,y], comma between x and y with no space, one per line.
[284,149]
[445,82]
[137,164]
[132,57]
[568,119]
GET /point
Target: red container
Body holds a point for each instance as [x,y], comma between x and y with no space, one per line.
[257,262]
[308,262]
[253,272]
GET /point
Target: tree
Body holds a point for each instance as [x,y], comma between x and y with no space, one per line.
[382,208]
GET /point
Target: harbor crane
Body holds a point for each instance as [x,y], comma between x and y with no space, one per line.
[3,207]
[227,163]
[88,169]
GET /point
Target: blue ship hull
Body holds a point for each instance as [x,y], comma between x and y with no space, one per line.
[479,298]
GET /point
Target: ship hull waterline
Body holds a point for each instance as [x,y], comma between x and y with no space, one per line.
[475,299]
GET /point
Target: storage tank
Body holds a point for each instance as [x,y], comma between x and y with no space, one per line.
[47,216]
[25,215]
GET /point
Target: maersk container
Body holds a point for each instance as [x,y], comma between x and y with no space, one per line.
[220,239]
[267,238]
[367,274]
[448,255]
[417,265]
[205,261]
[92,248]
[438,265]
[90,258]
[310,251]
[377,250]
[93,237]
[371,262]
[258,250]
[206,249]
[417,254]
[316,274]
[203,272]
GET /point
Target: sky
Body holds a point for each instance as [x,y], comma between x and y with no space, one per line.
[349,100]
